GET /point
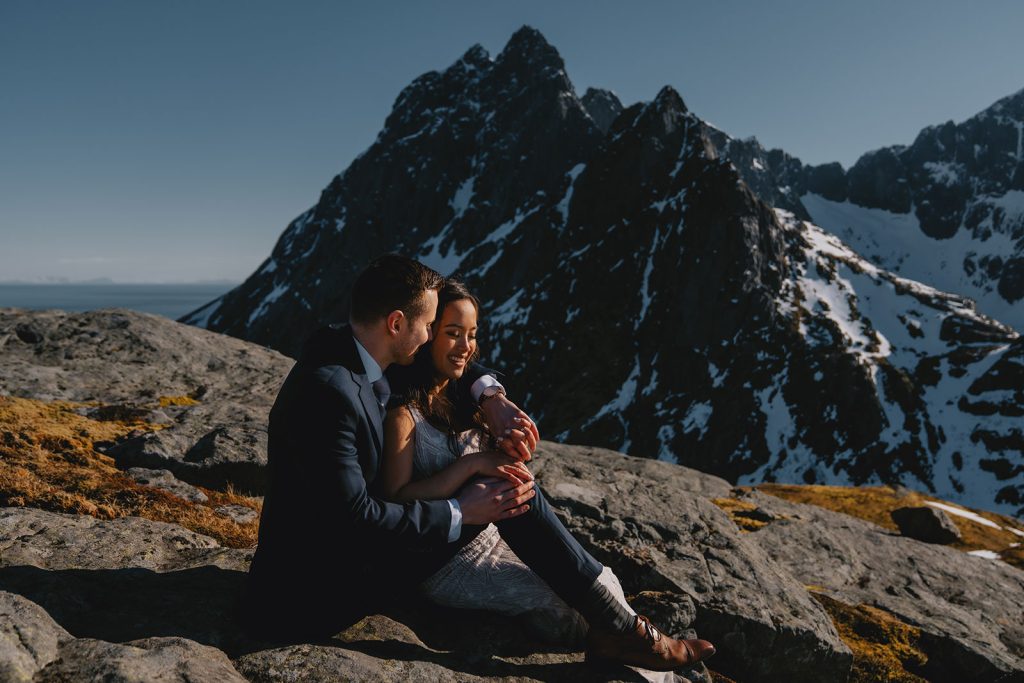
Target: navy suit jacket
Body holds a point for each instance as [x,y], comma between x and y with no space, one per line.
[323,535]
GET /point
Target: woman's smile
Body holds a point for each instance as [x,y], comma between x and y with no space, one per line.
[454,345]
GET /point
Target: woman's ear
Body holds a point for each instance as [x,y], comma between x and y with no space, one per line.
[395,320]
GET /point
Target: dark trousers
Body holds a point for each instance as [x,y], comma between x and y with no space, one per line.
[540,540]
[537,537]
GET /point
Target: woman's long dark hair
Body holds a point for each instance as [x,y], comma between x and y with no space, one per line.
[452,411]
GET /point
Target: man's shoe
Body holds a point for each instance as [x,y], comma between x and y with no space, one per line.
[646,647]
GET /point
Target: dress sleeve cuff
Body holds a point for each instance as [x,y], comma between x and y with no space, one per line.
[456,529]
[484,382]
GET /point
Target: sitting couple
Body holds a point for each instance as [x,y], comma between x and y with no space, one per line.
[366,505]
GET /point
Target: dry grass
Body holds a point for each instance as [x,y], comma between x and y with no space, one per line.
[884,648]
[874,503]
[47,461]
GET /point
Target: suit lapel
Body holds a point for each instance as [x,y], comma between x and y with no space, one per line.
[371,408]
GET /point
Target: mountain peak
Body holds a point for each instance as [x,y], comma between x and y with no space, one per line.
[477,55]
[602,106]
[528,45]
[1011,105]
[668,98]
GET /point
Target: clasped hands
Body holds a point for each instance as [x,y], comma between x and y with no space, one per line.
[503,485]
[516,433]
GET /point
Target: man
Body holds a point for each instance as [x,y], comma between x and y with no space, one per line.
[330,551]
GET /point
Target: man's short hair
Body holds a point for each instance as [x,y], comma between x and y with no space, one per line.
[391,283]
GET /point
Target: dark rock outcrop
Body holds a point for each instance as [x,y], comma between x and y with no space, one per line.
[926,524]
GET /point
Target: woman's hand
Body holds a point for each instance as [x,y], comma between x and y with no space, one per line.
[517,433]
[500,464]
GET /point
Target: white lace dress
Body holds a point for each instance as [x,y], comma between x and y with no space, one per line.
[486,574]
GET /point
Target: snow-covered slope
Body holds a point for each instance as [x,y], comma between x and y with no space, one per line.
[932,379]
[973,262]
[947,210]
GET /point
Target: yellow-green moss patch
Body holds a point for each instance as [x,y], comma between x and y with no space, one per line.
[884,648]
[47,461]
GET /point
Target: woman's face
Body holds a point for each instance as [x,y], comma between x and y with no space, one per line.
[454,339]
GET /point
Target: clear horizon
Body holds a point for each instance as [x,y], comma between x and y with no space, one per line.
[173,143]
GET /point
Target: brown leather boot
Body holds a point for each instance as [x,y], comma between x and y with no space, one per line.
[645,646]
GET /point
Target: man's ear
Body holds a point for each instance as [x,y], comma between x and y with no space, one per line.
[395,320]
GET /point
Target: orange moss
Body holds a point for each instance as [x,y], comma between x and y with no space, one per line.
[47,461]
[884,648]
[177,401]
[875,503]
[741,513]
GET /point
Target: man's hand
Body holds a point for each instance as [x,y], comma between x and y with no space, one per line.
[517,434]
[500,464]
[491,500]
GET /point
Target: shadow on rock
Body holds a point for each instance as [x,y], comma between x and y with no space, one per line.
[119,605]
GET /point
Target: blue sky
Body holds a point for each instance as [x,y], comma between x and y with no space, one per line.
[173,141]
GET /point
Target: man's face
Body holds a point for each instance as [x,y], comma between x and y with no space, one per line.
[415,332]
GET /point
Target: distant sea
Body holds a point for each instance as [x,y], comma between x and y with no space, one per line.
[172,301]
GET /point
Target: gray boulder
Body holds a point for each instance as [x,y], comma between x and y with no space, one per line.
[240,514]
[29,638]
[55,541]
[160,660]
[230,454]
[209,446]
[123,579]
[926,523]
[121,356]
[210,393]
[166,481]
[653,524]
[968,608]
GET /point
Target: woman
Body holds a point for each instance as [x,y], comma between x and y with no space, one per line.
[434,444]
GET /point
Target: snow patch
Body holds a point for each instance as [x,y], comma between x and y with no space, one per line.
[201,317]
[697,417]
[967,514]
[987,554]
[563,206]
[462,198]
[269,299]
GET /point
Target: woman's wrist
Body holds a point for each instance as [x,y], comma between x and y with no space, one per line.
[471,463]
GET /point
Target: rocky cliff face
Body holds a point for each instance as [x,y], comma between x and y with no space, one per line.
[642,295]
[787,590]
[946,210]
